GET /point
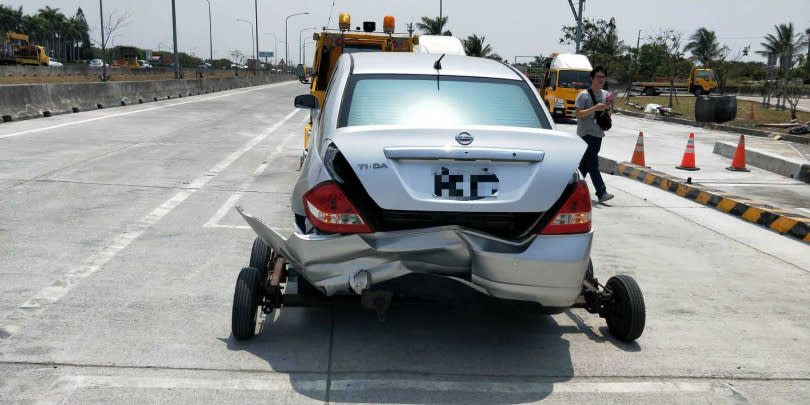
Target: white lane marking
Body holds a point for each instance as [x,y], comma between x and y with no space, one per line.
[67,124]
[14,322]
[213,222]
[539,387]
[65,386]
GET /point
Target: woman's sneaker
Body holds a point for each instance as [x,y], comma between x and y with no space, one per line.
[605,197]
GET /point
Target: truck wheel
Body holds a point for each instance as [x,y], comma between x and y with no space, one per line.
[260,256]
[625,313]
[649,91]
[698,91]
[246,300]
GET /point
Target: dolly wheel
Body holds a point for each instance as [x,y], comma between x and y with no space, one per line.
[260,256]
[246,300]
[625,313]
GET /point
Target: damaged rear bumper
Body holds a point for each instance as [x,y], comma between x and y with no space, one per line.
[547,269]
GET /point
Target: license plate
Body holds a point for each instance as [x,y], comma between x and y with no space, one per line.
[464,183]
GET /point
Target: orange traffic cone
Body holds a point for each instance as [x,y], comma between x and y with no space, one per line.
[638,153]
[688,161]
[738,163]
[752,115]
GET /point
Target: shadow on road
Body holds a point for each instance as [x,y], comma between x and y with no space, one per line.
[487,351]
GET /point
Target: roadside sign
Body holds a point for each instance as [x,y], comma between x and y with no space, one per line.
[157,58]
[265,54]
[148,54]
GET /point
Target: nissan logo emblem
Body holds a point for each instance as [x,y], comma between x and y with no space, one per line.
[464,138]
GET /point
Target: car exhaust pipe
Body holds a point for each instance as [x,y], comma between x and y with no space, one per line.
[360,282]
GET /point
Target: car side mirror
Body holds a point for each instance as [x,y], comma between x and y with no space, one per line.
[301,71]
[307,101]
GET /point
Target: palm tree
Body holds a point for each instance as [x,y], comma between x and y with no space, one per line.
[433,26]
[54,23]
[474,46]
[705,48]
[784,45]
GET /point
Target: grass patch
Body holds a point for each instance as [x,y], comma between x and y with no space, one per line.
[685,106]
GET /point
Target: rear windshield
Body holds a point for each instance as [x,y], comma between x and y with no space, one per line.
[362,48]
[574,79]
[428,100]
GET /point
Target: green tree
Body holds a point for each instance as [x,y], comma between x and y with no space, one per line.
[10,19]
[54,24]
[705,48]
[475,46]
[433,26]
[785,45]
[600,42]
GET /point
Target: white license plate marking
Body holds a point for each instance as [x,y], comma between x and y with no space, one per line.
[465,183]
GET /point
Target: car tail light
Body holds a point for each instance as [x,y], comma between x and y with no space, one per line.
[331,211]
[575,214]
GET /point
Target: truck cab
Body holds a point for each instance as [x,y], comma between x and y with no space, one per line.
[702,81]
[330,44]
[565,76]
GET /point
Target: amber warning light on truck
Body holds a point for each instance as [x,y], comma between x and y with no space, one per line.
[388,24]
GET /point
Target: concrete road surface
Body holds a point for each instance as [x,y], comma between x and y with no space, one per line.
[119,250]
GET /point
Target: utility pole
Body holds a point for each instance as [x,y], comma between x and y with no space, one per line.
[410,30]
[174,31]
[256,12]
[103,44]
[578,17]
[210,35]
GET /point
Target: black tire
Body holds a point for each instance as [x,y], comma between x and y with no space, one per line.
[246,300]
[626,314]
[260,256]
[697,91]
[649,91]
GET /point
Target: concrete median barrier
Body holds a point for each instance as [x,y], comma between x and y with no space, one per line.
[766,161]
[39,100]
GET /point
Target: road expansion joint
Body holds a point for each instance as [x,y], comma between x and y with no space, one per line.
[783,221]
[397,373]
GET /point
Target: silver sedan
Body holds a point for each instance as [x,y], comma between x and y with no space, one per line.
[433,168]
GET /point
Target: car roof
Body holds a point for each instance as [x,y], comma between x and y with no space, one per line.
[422,64]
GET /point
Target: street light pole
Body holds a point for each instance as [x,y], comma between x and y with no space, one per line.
[103,44]
[256,12]
[174,30]
[210,35]
[251,34]
[301,60]
[275,47]
[286,42]
[304,49]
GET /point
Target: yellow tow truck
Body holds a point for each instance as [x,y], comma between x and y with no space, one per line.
[18,51]
[565,76]
[330,44]
[700,81]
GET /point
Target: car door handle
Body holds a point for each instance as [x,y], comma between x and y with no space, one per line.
[455,153]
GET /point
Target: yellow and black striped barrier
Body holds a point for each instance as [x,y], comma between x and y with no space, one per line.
[777,219]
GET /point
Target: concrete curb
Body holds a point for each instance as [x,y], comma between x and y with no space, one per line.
[720,127]
[777,219]
[766,161]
